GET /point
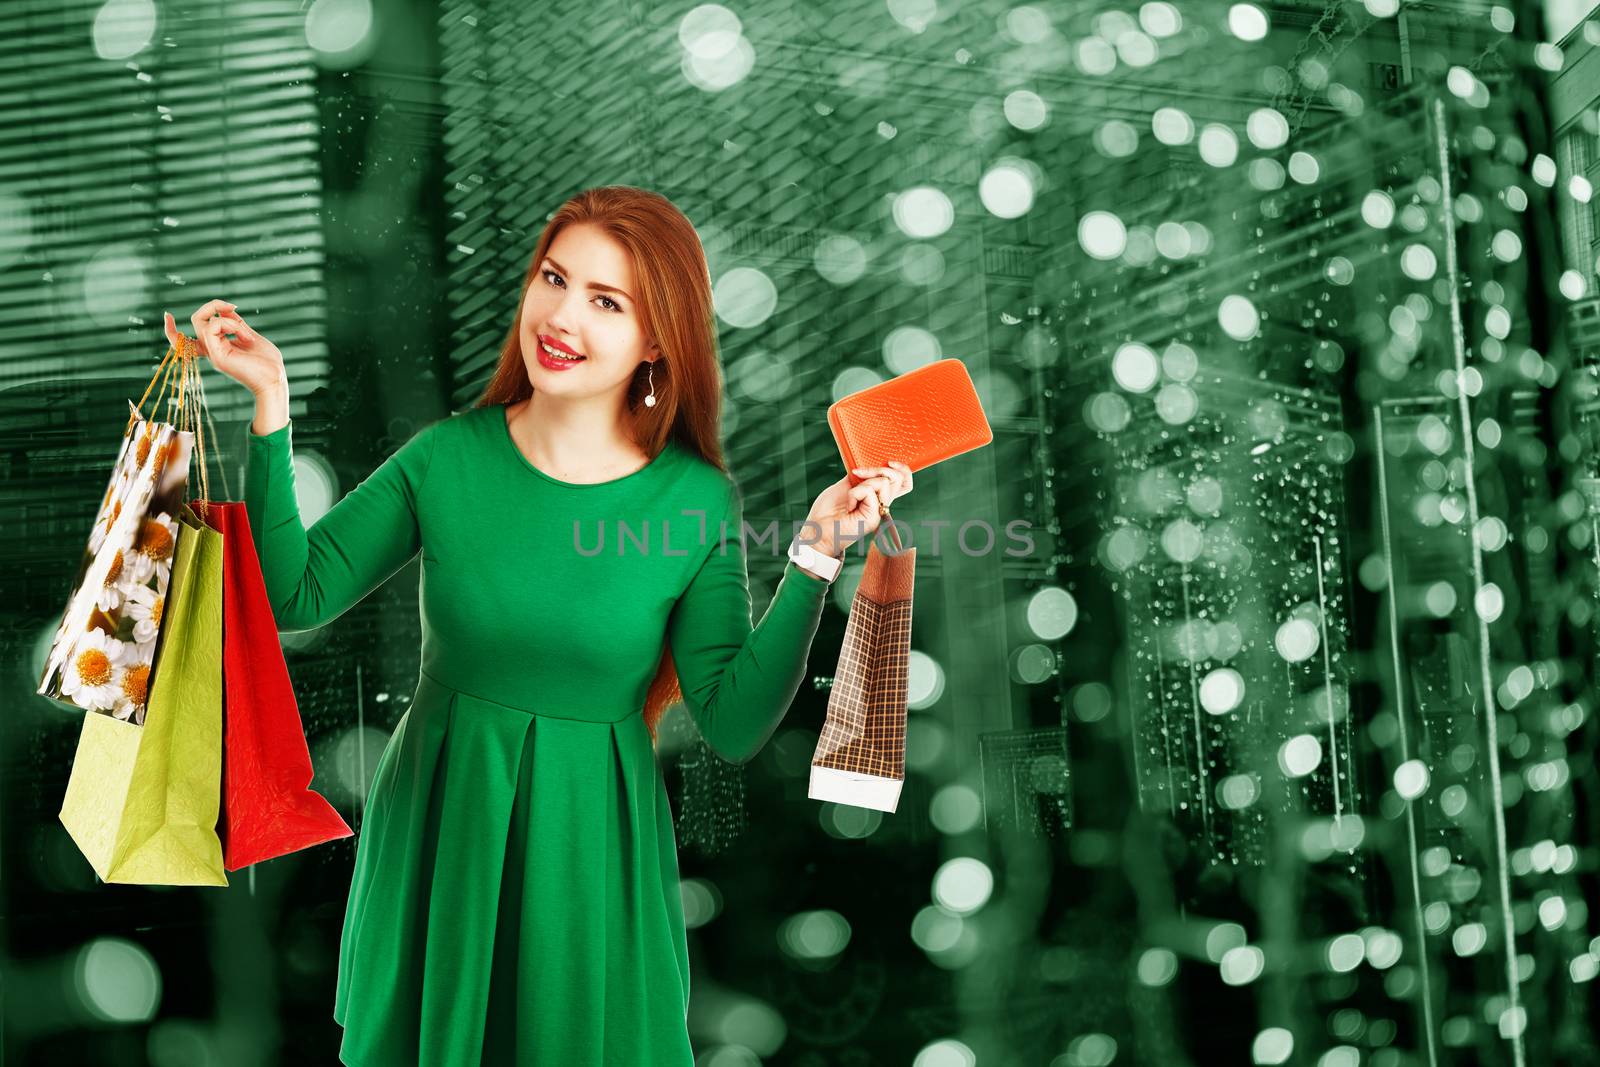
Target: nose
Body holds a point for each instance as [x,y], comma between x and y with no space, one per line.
[564,317]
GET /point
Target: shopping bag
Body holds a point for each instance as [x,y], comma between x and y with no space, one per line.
[860,757]
[268,806]
[101,656]
[142,801]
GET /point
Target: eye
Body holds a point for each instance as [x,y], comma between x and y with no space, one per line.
[548,274]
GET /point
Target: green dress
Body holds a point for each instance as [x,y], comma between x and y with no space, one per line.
[515,897]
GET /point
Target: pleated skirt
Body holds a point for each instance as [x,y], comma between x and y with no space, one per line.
[515,898]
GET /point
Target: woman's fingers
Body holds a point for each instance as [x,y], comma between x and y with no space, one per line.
[206,310]
[897,472]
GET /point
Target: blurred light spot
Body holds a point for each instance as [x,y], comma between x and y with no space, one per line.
[117,980]
[338,26]
[1418,262]
[853,380]
[1272,1045]
[1157,966]
[909,347]
[915,15]
[848,822]
[1222,937]
[744,297]
[1135,367]
[1384,947]
[1102,235]
[1247,22]
[1299,756]
[1176,403]
[1469,938]
[1088,1050]
[1025,109]
[1377,209]
[1297,640]
[1221,690]
[963,884]
[1242,965]
[716,73]
[1182,540]
[709,31]
[702,902]
[1267,128]
[923,212]
[1238,317]
[123,28]
[946,1053]
[948,941]
[814,935]
[921,264]
[1218,145]
[1171,126]
[839,259]
[1091,701]
[924,680]
[1345,952]
[955,809]
[927,741]
[1411,779]
[1052,613]
[1007,189]
[760,376]
[1205,496]
[1029,25]
[1107,412]
[1440,599]
[1238,791]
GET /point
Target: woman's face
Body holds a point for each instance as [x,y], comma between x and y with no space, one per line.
[582,299]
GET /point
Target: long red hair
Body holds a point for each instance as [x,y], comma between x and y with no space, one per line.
[674,300]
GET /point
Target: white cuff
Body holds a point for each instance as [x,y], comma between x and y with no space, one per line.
[808,558]
[857,790]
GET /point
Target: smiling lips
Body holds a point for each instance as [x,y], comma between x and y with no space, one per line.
[559,347]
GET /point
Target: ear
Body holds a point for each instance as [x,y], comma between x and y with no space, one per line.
[655,352]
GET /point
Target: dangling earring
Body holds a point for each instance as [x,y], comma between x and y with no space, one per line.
[650,401]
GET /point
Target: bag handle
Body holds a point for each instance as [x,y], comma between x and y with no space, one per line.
[894,531]
[182,360]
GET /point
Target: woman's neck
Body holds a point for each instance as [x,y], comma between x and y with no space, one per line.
[566,440]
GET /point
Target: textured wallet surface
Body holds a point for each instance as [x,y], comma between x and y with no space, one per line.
[919,418]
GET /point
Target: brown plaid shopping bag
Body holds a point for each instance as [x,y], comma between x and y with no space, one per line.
[861,756]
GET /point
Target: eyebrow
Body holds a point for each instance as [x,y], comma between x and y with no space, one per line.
[592,285]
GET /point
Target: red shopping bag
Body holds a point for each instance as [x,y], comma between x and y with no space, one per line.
[268,806]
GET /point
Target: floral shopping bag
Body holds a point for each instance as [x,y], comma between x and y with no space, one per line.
[103,651]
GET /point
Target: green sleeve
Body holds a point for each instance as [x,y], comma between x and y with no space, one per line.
[737,680]
[314,576]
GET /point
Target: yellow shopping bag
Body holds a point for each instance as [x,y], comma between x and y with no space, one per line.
[142,801]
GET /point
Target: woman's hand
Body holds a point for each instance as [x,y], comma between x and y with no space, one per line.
[843,514]
[247,357]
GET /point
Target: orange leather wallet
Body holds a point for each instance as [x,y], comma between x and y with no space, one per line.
[919,418]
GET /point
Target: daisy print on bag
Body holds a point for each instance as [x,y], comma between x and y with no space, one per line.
[145,606]
[153,546]
[132,686]
[94,671]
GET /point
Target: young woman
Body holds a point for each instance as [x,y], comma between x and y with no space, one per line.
[515,897]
